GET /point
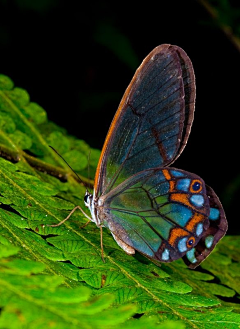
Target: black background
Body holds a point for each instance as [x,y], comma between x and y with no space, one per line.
[76,61]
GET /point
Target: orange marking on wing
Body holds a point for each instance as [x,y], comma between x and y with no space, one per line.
[171,186]
[169,178]
[197,218]
[176,233]
[181,198]
[166,174]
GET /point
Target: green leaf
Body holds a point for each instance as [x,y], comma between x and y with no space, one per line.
[21,140]
[55,276]
[6,251]
[34,113]
[7,125]
[57,140]
[77,159]
[18,96]
[5,82]
[33,300]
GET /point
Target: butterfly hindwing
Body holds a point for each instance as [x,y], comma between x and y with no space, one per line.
[162,212]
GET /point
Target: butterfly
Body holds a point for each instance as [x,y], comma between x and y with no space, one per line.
[160,211]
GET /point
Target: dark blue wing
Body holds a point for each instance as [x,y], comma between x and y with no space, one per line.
[153,121]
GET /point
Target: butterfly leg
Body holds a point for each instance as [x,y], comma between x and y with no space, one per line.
[128,249]
[70,214]
[101,239]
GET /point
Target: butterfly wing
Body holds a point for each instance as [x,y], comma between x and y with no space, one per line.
[153,121]
[165,214]
[217,228]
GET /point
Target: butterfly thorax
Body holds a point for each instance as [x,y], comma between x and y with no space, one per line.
[94,206]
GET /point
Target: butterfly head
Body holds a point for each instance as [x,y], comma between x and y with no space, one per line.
[88,199]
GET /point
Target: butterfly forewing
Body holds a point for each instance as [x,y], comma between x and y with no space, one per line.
[153,121]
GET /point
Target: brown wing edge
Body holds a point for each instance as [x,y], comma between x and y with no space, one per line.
[190,96]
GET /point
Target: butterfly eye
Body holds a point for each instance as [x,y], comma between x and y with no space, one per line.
[190,242]
[196,186]
[86,198]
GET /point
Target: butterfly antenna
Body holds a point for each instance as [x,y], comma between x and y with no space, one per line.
[69,166]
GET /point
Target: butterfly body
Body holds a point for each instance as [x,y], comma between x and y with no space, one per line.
[163,212]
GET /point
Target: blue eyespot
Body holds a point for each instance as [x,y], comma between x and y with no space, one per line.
[196,186]
[190,242]
[185,243]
